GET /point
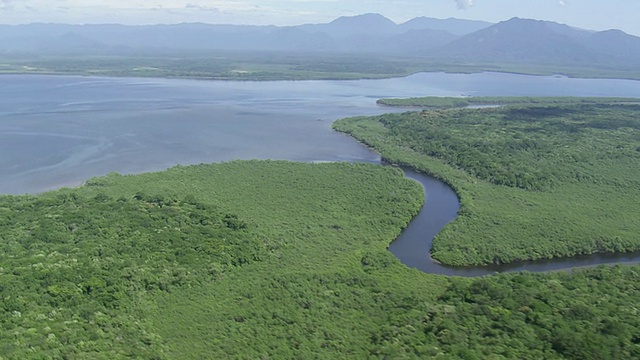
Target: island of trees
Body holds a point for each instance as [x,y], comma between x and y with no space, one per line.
[538,180]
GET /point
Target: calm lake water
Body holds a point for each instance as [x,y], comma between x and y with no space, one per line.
[61,130]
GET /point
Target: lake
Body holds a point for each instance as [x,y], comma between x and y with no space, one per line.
[58,131]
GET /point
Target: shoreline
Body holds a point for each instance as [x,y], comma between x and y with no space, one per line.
[284,78]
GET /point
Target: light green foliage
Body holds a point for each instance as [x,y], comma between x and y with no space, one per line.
[534,182]
[589,314]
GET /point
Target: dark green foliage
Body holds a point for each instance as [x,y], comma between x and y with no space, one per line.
[73,268]
[524,147]
[585,315]
[389,312]
[535,182]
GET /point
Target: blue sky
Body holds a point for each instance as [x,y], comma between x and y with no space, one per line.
[588,14]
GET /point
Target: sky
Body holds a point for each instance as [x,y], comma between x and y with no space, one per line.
[586,14]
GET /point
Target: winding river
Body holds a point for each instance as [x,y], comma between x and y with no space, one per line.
[441,206]
[58,131]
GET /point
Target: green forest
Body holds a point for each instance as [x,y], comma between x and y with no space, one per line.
[275,260]
[534,181]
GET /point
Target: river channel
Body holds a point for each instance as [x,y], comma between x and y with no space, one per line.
[58,131]
[441,207]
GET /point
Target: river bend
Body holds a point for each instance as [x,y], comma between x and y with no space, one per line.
[441,207]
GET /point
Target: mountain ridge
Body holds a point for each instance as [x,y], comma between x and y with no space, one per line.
[517,40]
[544,42]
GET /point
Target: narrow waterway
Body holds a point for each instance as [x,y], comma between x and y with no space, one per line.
[441,207]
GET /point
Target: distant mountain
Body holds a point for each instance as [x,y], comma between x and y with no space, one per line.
[367,33]
[369,24]
[451,25]
[515,41]
[375,33]
[543,42]
[615,43]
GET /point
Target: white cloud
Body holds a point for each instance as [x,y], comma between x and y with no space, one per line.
[191,6]
[463,4]
[264,12]
[5,4]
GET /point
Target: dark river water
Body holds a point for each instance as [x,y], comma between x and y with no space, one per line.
[58,131]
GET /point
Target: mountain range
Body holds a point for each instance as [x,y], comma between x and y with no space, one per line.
[521,41]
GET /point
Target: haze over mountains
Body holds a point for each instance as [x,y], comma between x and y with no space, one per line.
[515,40]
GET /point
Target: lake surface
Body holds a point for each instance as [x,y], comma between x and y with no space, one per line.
[58,131]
